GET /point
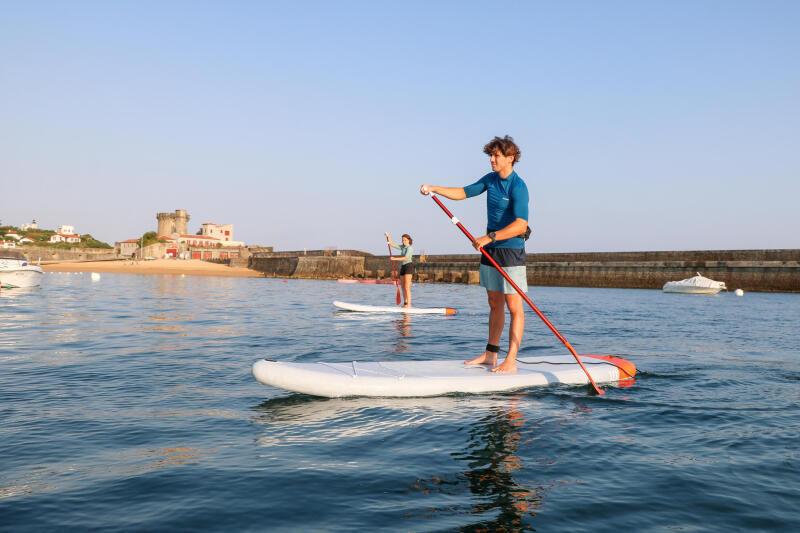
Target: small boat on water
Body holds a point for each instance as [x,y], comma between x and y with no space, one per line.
[695,285]
[16,272]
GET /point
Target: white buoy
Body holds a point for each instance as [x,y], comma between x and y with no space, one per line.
[738,292]
[95,276]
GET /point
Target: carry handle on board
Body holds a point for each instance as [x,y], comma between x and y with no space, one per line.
[524,296]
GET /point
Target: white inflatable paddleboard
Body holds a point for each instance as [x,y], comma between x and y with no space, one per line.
[394,309]
[434,378]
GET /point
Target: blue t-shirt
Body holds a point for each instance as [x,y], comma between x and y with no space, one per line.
[506,200]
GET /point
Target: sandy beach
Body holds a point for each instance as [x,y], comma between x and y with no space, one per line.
[189,267]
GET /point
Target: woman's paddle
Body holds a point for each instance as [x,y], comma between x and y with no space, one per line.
[395,272]
[524,296]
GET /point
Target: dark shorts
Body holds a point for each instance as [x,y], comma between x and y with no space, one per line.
[505,257]
[408,268]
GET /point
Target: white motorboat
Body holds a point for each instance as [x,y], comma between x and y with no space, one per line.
[695,285]
[16,272]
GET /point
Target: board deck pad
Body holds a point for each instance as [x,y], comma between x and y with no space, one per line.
[434,378]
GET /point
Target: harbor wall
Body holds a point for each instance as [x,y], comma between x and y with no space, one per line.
[749,270]
[34,253]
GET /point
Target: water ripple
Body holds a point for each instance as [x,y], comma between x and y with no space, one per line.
[127,404]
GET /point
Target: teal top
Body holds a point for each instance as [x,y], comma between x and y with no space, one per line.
[405,251]
[506,200]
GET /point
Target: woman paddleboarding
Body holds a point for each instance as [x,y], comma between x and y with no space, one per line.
[406,265]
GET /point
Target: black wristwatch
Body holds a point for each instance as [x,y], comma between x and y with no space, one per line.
[492,235]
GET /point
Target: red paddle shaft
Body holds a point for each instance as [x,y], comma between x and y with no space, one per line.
[524,296]
[395,273]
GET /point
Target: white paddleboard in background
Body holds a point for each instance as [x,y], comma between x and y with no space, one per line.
[394,309]
[434,378]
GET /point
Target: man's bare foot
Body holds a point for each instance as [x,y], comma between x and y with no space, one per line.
[486,358]
[405,306]
[508,367]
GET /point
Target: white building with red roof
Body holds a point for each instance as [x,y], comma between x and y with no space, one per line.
[65,237]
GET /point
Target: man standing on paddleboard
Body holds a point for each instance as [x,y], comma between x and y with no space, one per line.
[507,213]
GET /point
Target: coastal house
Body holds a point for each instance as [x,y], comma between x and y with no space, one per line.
[161,249]
[197,240]
[65,230]
[65,237]
[26,239]
[8,244]
[13,235]
[222,232]
[127,248]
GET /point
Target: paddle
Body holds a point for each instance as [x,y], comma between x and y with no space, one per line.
[395,272]
[524,296]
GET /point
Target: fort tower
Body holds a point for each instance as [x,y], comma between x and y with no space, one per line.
[170,223]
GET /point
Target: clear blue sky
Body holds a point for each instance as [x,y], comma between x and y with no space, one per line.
[669,125]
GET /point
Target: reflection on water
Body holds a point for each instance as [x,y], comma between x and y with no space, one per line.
[170,457]
[488,460]
[403,326]
[126,462]
[19,292]
[166,322]
[34,482]
[301,419]
[491,457]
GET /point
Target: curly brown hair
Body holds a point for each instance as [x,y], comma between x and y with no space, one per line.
[506,145]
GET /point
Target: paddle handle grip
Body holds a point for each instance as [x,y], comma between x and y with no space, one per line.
[519,291]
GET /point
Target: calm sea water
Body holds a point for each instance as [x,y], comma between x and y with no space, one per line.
[127,404]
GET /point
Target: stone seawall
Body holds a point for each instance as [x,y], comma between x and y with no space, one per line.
[34,253]
[750,270]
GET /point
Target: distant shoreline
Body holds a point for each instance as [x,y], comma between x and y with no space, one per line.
[189,267]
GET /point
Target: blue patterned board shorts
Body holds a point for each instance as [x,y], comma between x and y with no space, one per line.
[493,280]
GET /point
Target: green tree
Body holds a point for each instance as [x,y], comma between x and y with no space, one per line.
[87,241]
[151,237]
